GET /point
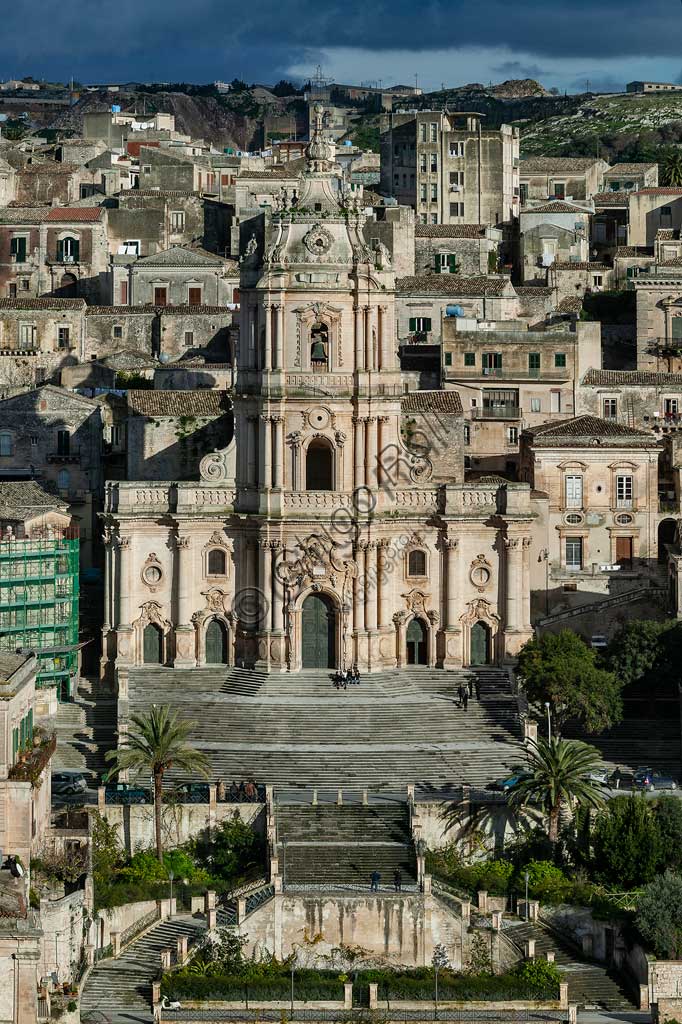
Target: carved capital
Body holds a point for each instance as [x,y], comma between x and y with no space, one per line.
[124,543]
[451,543]
[183,542]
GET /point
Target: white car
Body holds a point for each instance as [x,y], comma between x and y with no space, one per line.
[68,783]
[598,642]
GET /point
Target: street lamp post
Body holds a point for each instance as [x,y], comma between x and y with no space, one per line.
[171,876]
[526,877]
[549,722]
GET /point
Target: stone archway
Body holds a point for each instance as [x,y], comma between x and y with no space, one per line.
[667,534]
[152,644]
[480,633]
[417,642]
[479,653]
[216,643]
[319,632]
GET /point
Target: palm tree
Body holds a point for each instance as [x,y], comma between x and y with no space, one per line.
[560,777]
[672,169]
[158,743]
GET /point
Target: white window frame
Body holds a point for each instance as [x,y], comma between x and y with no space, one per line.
[578,542]
[625,490]
[573,490]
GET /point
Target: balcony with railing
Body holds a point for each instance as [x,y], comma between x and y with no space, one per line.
[507,373]
[497,412]
[72,455]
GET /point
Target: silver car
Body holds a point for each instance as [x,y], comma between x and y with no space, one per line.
[68,783]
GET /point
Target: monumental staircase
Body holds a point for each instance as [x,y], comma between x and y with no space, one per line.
[332,845]
[296,729]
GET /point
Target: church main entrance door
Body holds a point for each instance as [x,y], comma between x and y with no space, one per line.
[416,643]
[152,642]
[216,643]
[480,644]
[318,629]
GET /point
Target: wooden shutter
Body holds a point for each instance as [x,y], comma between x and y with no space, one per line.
[413,323]
[436,262]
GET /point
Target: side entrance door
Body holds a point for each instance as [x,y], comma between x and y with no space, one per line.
[318,628]
[480,644]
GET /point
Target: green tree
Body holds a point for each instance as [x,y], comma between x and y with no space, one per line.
[672,169]
[559,780]
[107,851]
[636,648]
[156,743]
[560,668]
[626,843]
[659,916]
[668,814]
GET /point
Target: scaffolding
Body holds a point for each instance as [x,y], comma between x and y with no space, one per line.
[39,604]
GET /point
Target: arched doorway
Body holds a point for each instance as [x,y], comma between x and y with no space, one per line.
[319,467]
[667,532]
[480,644]
[152,642]
[319,348]
[318,632]
[68,286]
[216,643]
[416,643]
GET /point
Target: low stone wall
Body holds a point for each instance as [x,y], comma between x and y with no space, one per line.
[118,919]
[61,943]
[180,822]
[665,989]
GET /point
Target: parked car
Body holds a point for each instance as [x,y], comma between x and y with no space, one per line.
[68,783]
[600,775]
[517,774]
[649,778]
[622,780]
[598,642]
[125,793]
[192,793]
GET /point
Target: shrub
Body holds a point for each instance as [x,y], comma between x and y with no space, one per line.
[626,843]
[659,916]
[72,1005]
[546,881]
[539,977]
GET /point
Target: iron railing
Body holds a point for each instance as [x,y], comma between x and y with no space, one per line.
[139,926]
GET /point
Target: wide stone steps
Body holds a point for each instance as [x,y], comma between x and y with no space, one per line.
[380,824]
[295,729]
[319,864]
[122,987]
[641,740]
[589,984]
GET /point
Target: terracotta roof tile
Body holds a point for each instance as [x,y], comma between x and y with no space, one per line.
[449,230]
[47,303]
[555,206]
[203,402]
[625,251]
[76,213]
[451,284]
[631,378]
[551,164]
[660,191]
[432,401]
[585,431]
[582,266]
[119,310]
[625,168]
[570,304]
[611,198]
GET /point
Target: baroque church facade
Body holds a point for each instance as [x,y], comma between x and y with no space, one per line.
[336,528]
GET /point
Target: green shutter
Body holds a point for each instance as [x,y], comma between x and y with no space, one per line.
[448,358]
[30,725]
[427,323]
[452,263]
[413,323]
[15,743]
[436,262]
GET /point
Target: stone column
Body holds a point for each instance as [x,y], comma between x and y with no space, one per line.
[267,355]
[514,581]
[525,586]
[381,316]
[371,586]
[359,452]
[278,451]
[265,475]
[383,584]
[279,336]
[251,449]
[249,563]
[451,557]
[358,337]
[184,631]
[371,472]
[277,620]
[361,596]
[253,353]
[295,442]
[367,332]
[265,582]
[124,589]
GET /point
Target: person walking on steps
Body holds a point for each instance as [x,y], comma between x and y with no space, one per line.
[471,687]
[461,693]
[465,698]
[375,879]
[477,684]
[397,880]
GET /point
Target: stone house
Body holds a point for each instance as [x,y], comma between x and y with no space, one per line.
[572,280]
[658,292]
[256,193]
[110,329]
[551,177]
[645,399]
[651,209]
[467,249]
[553,232]
[77,253]
[22,252]
[146,222]
[510,378]
[205,330]
[169,432]
[55,436]
[192,374]
[449,168]
[610,223]
[630,177]
[37,338]
[167,169]
[7,182]
[178,276]
[422,302]
[393,227]
[48,183]
[596,488]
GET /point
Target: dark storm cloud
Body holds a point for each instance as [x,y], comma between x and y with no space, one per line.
[148,39]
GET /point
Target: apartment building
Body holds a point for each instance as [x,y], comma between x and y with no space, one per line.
[450,168]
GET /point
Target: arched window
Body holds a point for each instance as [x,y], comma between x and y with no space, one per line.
[68,249]
[6,443]
[319,467]
[217,562]
[416,563]
[319,347]
[63,480]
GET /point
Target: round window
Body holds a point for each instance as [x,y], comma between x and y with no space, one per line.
[623,519]
[152,575]
[573,518]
